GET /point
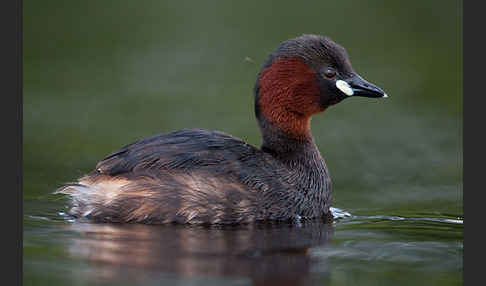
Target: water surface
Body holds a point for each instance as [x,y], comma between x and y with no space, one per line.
[352,250]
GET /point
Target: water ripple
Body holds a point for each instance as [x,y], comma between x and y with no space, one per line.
[343,216]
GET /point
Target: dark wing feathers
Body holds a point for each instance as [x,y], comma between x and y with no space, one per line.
[179,150]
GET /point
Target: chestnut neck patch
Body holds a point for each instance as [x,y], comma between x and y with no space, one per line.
[289,95]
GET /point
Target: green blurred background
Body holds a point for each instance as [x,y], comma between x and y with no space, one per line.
[101,74]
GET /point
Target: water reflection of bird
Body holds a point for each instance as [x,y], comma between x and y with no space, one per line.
[201,176]
[263,254]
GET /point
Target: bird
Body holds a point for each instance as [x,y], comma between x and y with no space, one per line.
[198,176]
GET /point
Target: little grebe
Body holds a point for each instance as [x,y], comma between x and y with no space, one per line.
[201,176]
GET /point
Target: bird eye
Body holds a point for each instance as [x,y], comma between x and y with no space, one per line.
[329,73]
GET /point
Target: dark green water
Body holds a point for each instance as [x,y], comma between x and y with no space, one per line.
[101,74]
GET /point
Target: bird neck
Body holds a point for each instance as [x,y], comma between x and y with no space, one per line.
[287,94]
[306,169]
[288,148]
